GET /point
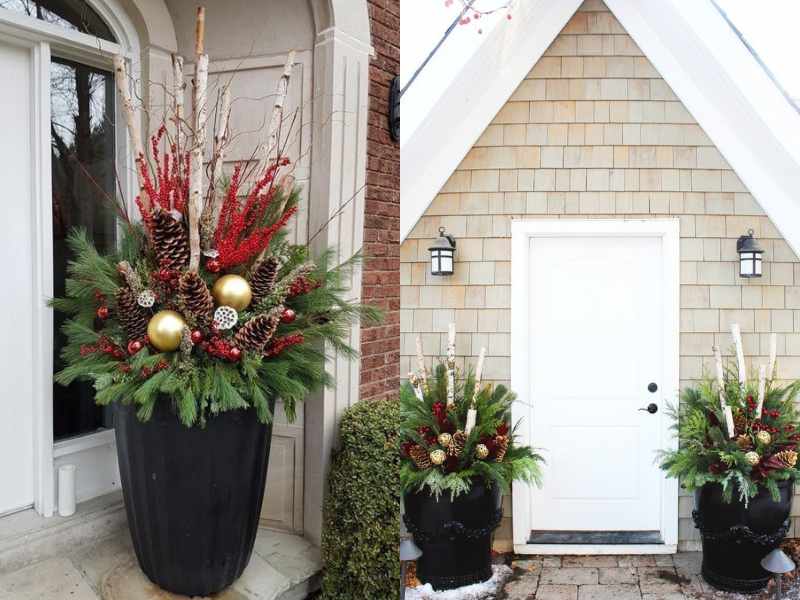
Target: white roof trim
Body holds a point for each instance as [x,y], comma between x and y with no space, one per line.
[694,49]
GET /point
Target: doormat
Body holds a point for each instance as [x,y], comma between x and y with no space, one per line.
[595,537]
[486,590]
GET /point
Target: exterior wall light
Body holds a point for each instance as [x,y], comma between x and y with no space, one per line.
[442,252]
[749,256]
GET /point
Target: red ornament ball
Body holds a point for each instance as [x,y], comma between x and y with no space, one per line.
[197,336]
[134,346]
[212,265]
[102,313]
[234,353]
[288,316]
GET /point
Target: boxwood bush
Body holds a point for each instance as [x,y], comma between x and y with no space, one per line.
[362,509]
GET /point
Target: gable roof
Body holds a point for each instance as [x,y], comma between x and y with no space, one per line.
[694,49]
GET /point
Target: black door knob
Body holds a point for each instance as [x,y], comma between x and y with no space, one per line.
[652,387]
[652,408]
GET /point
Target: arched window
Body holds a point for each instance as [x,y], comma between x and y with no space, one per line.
[76,15]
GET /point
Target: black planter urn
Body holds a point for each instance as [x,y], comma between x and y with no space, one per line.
[193,496]
[736,538]
[455,536]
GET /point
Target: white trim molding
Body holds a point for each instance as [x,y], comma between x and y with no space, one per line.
[522,231]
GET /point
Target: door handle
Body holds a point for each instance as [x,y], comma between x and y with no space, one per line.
[652,408]
[652,387]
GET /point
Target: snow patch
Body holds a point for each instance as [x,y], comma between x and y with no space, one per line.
[478,591]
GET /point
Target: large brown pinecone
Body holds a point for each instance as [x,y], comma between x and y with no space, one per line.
[501,444]
[739,422]
[457,443]
[131,316]
[197,299]
[420,457]
[170,242]
[263,277]
[258,331]
[788,458]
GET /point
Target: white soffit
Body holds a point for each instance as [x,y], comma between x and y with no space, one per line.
[693,48]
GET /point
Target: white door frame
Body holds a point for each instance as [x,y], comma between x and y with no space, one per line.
[668,229]
[44,41]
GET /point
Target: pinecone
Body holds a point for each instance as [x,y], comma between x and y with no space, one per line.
[263,277]
[258,331]
[197,299]
[739,422]
[420,457]
[457,443]
[131,316]
[788,458]
[744,442]
[501,444]
[170,242]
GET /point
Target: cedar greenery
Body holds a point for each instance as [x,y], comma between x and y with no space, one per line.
[421,422]
[200,383]
[706,454]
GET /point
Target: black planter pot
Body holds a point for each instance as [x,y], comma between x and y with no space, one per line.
[192,496]
[455,536]
[735,538]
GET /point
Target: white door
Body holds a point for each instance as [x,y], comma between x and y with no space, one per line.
[600,348]
[16,317]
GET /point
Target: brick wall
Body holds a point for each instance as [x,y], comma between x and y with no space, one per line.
[380,344]
[594,131]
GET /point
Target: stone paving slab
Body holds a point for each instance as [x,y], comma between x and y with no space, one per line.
[56,578]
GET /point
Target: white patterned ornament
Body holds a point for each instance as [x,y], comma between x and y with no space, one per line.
[225,317]
[146,299]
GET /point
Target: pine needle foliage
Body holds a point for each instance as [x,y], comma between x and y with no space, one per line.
[762,451]
[422,422]
[200,384]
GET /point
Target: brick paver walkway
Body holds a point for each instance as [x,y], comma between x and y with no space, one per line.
[667,577]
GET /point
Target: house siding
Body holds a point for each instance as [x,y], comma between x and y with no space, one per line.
[593,131]
[380,344]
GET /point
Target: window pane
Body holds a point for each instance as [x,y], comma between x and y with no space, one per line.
[70,14]
[82,135]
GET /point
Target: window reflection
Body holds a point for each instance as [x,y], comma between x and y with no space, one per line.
[82,135]
[76,15]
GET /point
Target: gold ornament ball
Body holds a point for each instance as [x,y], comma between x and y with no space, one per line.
[763,437]
[165,330]
[481,451]
[232,290]
[438,457]
[752,458]
[445,439]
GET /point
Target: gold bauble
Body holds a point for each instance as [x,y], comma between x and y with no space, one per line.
[438,457]
[165,330]
[763,437]
[481,451]
[752,458]
[445,439]
[233,291]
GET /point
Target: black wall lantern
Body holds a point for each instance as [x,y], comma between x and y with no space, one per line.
[442,252]
[749,256]
[394,109]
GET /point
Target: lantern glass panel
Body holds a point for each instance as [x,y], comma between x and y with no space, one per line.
[758,264]
[746,260]
[446,263]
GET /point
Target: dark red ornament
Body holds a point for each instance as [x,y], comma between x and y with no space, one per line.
[212,265]
[102,313]
[288,316]
[197,336]
[234,353]
[134,346]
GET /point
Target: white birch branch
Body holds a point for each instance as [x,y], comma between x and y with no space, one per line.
[132,120]
[198,143]
[281,90]
[762,385]
[726,410]
[179,87]
[773,354]
[737,340]
[213,205]
[421,363]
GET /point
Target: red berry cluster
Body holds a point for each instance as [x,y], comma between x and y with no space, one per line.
[760,426]
[104,345]
[302,285]
[166,276]
[277,346]
[160,366]
[220,348]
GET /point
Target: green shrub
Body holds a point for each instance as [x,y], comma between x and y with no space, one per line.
[362,508]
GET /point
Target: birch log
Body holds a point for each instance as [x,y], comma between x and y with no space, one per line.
[479,371]
[198,143]
[762,387]
[179,87]
[726,410]
[416,385]
[421,363]
[213,206]
[281,90]
[737,340]
[773,354]
[132,121]
[451,363]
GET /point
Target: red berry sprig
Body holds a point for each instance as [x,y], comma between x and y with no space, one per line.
[302,285]
[279,345]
